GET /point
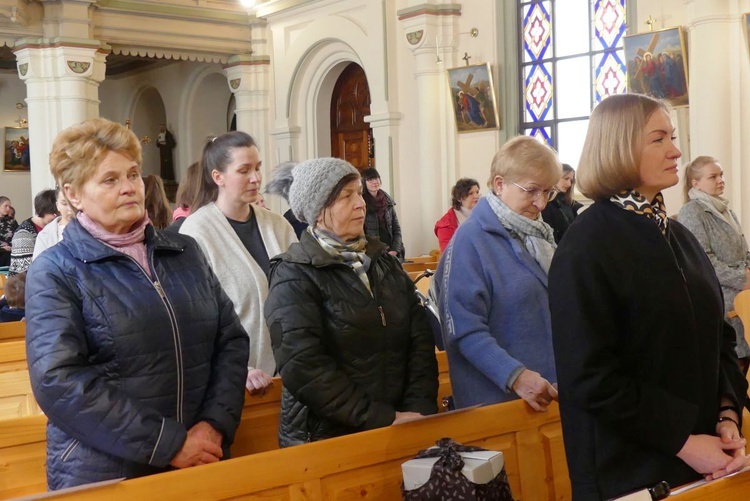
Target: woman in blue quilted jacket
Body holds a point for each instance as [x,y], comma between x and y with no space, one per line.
[135,353]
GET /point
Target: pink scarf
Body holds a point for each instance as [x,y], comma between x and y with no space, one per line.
[131,243]
[180,212]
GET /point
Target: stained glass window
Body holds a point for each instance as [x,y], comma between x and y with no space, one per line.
[571,58]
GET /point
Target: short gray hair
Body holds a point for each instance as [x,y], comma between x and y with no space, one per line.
[281,180]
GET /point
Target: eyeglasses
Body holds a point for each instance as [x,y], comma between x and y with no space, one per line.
[536,192]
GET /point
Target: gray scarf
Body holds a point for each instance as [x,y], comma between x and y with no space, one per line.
[350,253]
[717,205]
[536,236]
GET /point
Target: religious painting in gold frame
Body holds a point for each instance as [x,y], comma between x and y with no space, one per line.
[473,98]
[657,64]
[16,149]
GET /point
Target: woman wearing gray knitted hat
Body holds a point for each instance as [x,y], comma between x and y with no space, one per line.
[351,342]
[239,240]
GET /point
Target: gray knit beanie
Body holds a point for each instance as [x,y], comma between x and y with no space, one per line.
[314,180]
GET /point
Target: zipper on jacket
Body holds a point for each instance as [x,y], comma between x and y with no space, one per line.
[177,345]
[382,315]
[69,450]
[374,287]
[175,332]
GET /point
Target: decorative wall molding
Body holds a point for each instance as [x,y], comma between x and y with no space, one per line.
[450,9]
[79,67]
[414,37]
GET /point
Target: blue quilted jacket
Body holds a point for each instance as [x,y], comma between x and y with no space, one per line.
[123,365]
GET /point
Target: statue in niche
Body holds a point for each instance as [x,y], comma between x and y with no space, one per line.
[166,143]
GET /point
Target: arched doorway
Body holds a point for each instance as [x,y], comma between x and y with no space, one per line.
[351,136]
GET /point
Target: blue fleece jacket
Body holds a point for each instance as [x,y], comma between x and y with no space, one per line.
[494,311]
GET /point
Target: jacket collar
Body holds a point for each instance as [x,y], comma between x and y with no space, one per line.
[488,222]
[83,246]
[310,252]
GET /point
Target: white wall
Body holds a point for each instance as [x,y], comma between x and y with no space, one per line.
[14,185]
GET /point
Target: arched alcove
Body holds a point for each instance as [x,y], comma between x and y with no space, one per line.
[148,113]
[207,110]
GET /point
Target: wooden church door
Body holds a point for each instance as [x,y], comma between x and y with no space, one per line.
[351,136]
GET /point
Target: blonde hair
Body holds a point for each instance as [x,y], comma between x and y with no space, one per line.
[693,173]
[524,156]
[610,157]
[78,150]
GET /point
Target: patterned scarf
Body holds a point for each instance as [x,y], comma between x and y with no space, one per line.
[350,253]
[536,235]
[379,205]
[132,243]
[717,205]
[635,202]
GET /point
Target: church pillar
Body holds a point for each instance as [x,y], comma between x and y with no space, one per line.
[62,80]
[248,81]
[430,31]
[718,94]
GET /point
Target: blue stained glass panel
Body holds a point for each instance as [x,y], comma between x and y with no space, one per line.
[609,75]
[537,32]
[609,24]
[543,134]
[538,92]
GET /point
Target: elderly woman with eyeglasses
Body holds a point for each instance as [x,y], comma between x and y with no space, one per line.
[492,285]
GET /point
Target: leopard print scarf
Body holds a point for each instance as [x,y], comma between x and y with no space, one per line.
[635,202]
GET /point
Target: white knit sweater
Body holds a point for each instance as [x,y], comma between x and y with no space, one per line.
[239,274]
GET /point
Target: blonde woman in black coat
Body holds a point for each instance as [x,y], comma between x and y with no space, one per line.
[650,386]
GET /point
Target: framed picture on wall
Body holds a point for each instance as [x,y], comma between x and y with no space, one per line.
[473,98]
[657,64]
[16,152]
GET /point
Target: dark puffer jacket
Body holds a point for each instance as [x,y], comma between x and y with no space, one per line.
[392,226]
[123,366]
[348,360]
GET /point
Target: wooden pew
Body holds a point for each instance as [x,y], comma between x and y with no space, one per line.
[734,488]
[368,465]
[16,399]
[23,439]
[12,331]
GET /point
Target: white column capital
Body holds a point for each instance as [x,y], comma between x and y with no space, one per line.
[62,78]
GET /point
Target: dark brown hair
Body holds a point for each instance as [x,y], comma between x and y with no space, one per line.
[461,190]
[217,154]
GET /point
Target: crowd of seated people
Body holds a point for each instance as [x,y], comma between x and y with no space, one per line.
[644,363]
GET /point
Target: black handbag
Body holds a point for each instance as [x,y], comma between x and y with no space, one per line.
[447,483]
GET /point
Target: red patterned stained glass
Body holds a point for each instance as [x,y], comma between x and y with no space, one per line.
[610,76]
[539,92]
[537,32]
[609,23]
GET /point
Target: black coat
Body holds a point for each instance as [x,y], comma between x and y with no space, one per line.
[643,353]
[124,365]
[559,215]
[348,360]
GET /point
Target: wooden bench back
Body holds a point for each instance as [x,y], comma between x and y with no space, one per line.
[368,465]
[23,439]
[12,331]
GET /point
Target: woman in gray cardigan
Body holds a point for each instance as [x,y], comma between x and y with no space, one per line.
[708,216]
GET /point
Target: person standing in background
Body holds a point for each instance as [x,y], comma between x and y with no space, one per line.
[8,225]
[381,220]
[464,197]
[24,239]
[708,216]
